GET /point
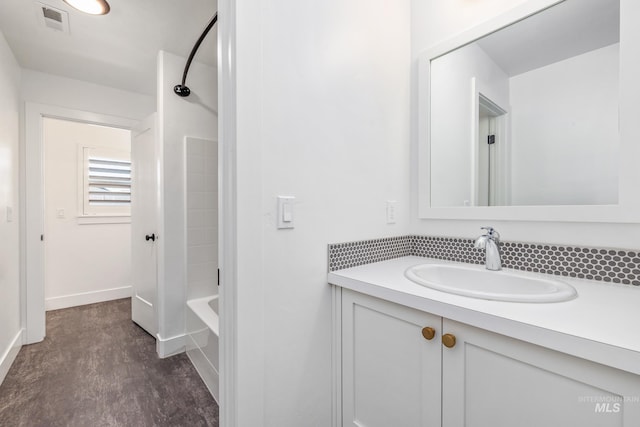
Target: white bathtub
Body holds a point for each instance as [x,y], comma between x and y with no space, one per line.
[202,342]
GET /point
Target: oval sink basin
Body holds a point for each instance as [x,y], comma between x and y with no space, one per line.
[478,282]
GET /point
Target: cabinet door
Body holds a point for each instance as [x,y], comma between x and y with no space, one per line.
[493,380]
[391,373]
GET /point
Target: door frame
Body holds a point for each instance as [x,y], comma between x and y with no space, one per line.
[228,213]
[32,207]
[480,90]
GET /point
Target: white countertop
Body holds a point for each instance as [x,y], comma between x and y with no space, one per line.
[602,324]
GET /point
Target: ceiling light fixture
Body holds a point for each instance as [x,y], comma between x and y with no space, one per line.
[92,7]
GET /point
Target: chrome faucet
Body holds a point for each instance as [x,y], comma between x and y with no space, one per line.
[490,242]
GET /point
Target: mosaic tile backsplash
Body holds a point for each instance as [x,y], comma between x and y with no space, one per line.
[607,265]
[351,254]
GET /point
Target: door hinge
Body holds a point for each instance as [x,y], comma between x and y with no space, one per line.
[218,277]
[491,139]
[42,237]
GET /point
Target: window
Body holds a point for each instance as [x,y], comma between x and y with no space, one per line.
[106,182]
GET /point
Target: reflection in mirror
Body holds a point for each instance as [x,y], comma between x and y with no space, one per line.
[528,115]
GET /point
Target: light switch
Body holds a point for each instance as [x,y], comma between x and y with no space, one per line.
[391,211]
[60,213]
[285,211]
[9,214]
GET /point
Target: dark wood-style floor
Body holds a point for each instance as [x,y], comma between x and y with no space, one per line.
[97,368]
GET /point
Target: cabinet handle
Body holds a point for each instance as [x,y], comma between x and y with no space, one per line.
[449,340]
[428,333]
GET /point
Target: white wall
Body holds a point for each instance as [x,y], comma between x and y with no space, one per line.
[434,21]
[322,115]
[79,95]
[194,116]
[452,120]
[10,328]
[564,131]
[84,262]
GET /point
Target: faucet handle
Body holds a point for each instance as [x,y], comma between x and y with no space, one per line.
[491,233]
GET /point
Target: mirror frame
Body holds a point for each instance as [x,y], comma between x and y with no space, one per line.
[628,208]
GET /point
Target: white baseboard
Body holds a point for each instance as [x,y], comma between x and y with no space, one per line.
[84,298]
[9,355]
[170,346]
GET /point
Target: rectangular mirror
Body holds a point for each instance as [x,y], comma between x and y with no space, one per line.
[524,116]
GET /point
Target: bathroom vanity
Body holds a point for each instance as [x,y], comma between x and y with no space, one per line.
[408,355]
[452,355]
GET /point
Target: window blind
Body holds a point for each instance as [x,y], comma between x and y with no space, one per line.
[109,181]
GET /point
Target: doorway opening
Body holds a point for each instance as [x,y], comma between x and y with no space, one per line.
[87,198]
[34,216]
[491,152]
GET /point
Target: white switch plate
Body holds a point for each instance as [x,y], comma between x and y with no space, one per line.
[392,206]
[285,211]
[9,213]
[60,213]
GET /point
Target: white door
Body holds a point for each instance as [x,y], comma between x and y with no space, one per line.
[144,223]
[493,380]
[391,367]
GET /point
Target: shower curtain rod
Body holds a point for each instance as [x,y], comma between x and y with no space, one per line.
[182,89]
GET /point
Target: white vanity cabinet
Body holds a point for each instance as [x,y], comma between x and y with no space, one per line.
[393,377]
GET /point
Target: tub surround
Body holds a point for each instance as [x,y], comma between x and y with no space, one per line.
[611,338]
[201,187]
[201,192]
[591,263]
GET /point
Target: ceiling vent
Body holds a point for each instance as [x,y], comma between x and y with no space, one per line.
[50,17]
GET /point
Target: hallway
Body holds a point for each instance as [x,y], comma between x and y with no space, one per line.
[97,368]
